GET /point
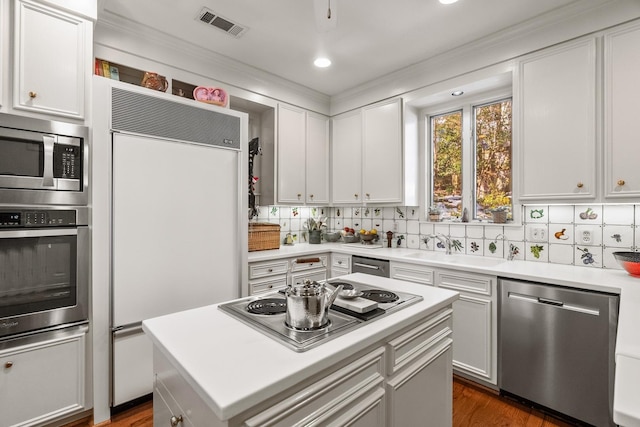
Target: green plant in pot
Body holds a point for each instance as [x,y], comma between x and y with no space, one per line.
[315,227]
[499,214]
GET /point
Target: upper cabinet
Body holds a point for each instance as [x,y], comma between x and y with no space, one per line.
[621,94]
[303,157]
[52,60]
[367,155]
[556,96]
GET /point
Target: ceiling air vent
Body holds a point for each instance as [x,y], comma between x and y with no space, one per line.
[209,17]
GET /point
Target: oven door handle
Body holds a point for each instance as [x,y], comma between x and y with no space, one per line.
[12,234]
[47,175]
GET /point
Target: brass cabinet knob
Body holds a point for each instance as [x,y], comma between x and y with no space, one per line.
[175,420]
[355,195]
[8,364]
[579,185]
[299,195]
[368,195]
[621,182]
[339,262]
[311,196]
[32,94]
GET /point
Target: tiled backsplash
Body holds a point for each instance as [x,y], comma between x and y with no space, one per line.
[584,235]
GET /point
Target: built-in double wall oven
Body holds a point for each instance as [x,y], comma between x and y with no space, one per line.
[44,232]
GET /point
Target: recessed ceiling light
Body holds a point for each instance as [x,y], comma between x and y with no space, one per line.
[448,1]
[457,93]
[322,62]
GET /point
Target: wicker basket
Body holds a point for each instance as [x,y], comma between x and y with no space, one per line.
[263,236]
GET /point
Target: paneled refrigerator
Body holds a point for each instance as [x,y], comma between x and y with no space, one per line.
[178,220]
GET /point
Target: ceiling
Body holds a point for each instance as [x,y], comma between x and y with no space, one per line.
[365,39]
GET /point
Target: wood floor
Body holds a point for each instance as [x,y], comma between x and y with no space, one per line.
[472,406]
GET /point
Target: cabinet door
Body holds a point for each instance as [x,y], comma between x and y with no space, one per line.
[621,94]
[557,134]
[50,71]
[346,158]
[317,149]
[383,175]
[43,381]
[291,154]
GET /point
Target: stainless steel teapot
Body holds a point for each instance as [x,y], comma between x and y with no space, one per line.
[308,304]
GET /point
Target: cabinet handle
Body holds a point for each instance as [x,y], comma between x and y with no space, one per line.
[580,185]
[311,196]
[621,182]
[8,364]
[339,262]
[368,195]
[175,420]
[299,195]
[355,195]
[32,94]
[270,270]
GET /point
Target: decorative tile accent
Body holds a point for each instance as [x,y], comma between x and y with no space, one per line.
[413,241]
[588,256]
[537,252]
[591,214]
[538,214]
[412,212]
[618,236]
[561,234]
[493,248]
[427,242]
[475,247]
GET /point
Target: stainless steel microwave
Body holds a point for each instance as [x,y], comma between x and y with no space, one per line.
[42,162]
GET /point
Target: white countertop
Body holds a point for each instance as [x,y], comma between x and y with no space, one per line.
[627,394]
[233,367]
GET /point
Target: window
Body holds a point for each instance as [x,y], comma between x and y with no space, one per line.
[471,170]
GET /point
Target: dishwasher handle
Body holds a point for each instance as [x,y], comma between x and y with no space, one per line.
[550,302]
[372,267]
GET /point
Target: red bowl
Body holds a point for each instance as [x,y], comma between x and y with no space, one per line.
[630,261]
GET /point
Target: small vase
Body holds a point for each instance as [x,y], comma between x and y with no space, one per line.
[499,217]
[315,236]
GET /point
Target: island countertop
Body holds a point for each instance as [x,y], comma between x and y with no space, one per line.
[233,367]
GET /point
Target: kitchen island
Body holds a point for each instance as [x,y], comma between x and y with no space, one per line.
[211,369]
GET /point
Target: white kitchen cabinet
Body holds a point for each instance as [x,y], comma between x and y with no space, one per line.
[303,156]
[382,153]
[556,132]
[312,267]
[43,377]
[475,329]
[367,155]
[267,276]
[412,272]
[621,94]
[346,158]
[52,60]
[340,265]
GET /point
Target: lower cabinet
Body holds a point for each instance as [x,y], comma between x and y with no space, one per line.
[475,336]
[340,265]
[43,377]
[412,273]
[403,380]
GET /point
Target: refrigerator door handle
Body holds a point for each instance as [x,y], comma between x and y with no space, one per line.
[132,328]
[554,303]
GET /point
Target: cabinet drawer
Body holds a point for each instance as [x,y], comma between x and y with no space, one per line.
[328,398]
[309,262]
[413,344]
[412,273]
[316,275]
[166,409]
[265,269]
[466,282]
[267,285]
[340,261]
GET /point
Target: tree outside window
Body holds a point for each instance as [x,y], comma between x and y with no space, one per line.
[447,163]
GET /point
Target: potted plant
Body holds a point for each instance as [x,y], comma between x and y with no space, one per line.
[434,213]
[499,214]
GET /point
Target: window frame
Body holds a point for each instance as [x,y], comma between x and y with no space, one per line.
[466,105]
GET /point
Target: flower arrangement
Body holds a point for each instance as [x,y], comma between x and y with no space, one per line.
[434,213]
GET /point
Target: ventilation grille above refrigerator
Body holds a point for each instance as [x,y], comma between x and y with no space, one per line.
[209,17]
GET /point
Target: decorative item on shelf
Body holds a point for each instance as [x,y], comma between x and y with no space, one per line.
[389,238]
[263,236]
[154,81]
[434,213]
[499,214]
[630,261]
[332,236]
[210,95]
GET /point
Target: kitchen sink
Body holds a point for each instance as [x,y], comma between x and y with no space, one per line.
[457,259]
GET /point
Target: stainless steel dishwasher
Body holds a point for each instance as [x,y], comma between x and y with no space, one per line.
[556,348]
[373,266]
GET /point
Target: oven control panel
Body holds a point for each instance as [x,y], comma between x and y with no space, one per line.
[37,218]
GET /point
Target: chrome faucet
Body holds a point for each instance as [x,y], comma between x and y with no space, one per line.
[445,240]
[513,249]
